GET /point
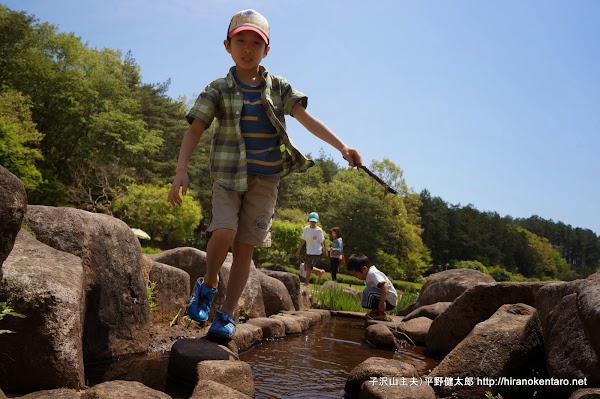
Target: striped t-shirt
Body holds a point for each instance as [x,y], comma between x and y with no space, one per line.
[263,155]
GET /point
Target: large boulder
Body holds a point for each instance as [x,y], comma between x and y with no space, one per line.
[430,311]
[47,286]
[397,389]
[380,336]
[251,300]
[304,302]
[235,375]
[291,282]
[508,344]
[122,389]
[60,393]
[569,353]
[13,205]
[475,305]
[117,314]
[187,353]
[550,295]
[448,285]
[193,261]
[207,389]
[586,393]
[375,368]
[276,296]
[414,329]
[588,306]
[171,291]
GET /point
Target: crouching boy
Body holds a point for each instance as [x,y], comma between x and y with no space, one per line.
[379,294]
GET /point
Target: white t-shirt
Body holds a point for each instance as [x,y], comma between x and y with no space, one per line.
[374,277]
[314,238]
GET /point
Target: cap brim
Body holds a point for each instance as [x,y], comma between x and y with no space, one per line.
[313,220]
[252,28]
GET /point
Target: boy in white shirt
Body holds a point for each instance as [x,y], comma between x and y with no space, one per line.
[315,245]
[380,294]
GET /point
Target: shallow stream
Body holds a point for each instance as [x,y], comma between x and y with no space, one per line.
[314,364]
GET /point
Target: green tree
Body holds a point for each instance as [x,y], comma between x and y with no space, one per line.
[17,39]
[405,232]
[579,247]
[436,225]
[146,207]
[291,215]
[373,222]
[285,237]
[81,101]
[471,264]
[301,190]
[19,139]
[543,260]
[499,273]
[162,114]
[389,265]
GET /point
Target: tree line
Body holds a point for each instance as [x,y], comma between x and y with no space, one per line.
[81,129]
[531,247]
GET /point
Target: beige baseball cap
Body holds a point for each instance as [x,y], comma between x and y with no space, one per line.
[249,20]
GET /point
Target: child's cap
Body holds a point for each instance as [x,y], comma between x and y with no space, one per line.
[313,217]
[249,20]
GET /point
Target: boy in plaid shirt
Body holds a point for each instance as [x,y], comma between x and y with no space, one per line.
[250,153]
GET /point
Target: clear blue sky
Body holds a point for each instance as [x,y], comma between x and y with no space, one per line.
[495,104]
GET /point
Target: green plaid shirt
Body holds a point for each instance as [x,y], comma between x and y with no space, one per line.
[222,100]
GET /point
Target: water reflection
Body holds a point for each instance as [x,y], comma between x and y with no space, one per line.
[316,364]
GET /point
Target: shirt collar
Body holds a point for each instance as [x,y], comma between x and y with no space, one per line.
[230,79]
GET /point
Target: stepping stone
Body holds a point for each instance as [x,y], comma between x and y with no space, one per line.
[187,353]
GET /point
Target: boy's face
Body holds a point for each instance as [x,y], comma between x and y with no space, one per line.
[247,49]
[312,224]
[361,275]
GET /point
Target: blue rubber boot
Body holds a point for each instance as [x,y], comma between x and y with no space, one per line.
[222,326]
[201,301]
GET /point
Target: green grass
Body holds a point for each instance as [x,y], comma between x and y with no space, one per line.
[337,297]
[344,279]
[149,250]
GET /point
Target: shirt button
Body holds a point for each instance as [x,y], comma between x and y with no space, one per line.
[274,106]
[237,94]
[237,112]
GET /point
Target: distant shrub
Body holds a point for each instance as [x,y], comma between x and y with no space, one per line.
[471,264]
[146,207]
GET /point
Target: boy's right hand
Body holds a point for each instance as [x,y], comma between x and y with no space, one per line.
[352,156]
[181,180]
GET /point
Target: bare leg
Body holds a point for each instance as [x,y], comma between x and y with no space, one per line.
[320,271]
[238,276]
[216,252]
[308,273]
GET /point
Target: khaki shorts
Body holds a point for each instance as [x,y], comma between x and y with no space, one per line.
[248,213]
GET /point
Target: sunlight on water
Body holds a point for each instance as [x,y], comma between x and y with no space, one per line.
[316,364]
